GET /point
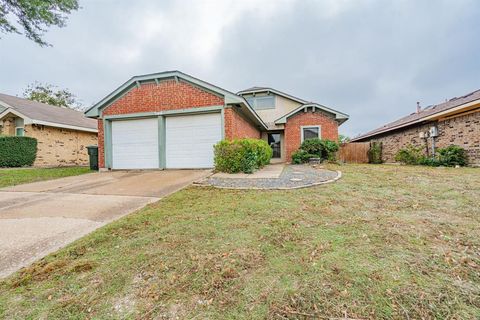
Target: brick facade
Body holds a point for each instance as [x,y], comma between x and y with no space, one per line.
[293,135]
[463,131]
[237,127]
[150,97]
[55,146]
[101,145]
[175,95]
[167,95]
[60,147]
[8,127]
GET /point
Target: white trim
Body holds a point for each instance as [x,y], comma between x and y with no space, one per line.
[457,108]
[319,127]
[229,97]
[64,126]
[4,104]
[426,118]
[27,120]
[279,93]
[338,115]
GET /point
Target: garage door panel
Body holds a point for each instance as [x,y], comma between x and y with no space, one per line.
[135,144]
[190,140]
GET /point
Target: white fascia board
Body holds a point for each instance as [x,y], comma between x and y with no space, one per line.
[230,97]
[455,109]
[338,115]
[279,93]
[26,120]
[63,126]
[252,111]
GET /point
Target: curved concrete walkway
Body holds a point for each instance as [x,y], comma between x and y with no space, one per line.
[289,177]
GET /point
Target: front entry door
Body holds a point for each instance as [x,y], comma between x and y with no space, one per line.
[274,142]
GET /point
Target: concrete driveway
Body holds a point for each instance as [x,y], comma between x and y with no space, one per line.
[39,218]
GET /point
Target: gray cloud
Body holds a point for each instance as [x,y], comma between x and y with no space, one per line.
[370,59]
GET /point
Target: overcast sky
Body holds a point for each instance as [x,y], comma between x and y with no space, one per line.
[370,59]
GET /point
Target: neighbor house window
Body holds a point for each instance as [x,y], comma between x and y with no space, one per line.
[19,131]
[262,102]
[311,132]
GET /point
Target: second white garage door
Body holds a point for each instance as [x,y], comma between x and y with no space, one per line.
[190,140]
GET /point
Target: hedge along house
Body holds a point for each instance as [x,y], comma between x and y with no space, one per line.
[454,122]
[62,134]
[172,120]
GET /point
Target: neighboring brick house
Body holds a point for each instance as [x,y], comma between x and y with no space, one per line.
[62,134]
[172,120]
[454,122]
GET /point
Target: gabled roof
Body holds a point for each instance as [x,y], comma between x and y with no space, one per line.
[230,97]
[35,112]
[277,92]
[339,116]
[428,113]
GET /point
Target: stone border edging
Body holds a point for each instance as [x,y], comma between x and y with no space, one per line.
[339,175]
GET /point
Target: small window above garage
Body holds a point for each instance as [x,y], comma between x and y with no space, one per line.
[261,102]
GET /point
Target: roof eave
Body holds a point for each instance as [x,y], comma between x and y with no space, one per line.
[431,117]
[94,111]
[339,116]
[283,94]
[27,120]
[242,102]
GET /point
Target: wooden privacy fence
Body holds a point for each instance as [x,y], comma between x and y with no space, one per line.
[354,152]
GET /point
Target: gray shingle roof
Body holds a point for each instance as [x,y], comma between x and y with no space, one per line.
[44,112]
[420,116]
[281,93]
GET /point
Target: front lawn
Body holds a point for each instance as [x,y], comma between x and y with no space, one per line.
[12,177]
[383,242]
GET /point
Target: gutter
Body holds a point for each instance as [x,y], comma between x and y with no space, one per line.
[431,117]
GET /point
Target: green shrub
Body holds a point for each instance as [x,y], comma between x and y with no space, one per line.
[375,153]
[329,149]
[452,156]
[317,148]
[409,155]
[301,156]
[312,146]
[427,161]
[17,151]
[241,155]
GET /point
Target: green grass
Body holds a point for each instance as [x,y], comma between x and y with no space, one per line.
[12,177]
[384,242]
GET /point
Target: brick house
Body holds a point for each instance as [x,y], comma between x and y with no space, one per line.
[454,122]
[62,134]
[172,120]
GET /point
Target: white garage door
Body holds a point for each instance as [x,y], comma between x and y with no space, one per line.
[190,140]
[135,144]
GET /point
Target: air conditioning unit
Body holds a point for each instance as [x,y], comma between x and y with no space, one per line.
[433,132]
[422,135]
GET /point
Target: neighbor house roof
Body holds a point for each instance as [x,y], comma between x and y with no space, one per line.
[430,113]
[230,97]
[34,112]
[339,116]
